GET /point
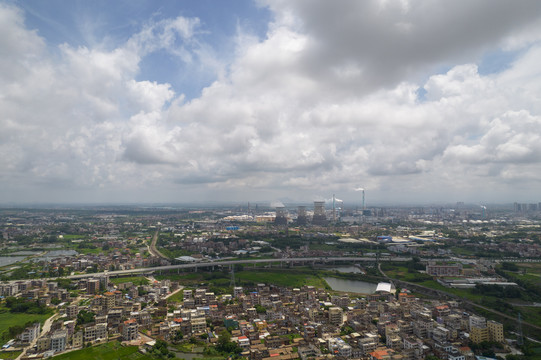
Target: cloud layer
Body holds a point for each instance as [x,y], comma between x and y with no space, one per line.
[383,95]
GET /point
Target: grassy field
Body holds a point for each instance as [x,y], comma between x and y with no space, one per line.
[184,279]
[109,351]
[173,253]
[251,276]
[530,313]
[285,277]
[137,280]
[178,297]
[8,320]
[462,250]
[74,237]
[9,355]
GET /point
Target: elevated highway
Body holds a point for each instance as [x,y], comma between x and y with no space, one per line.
[210,264]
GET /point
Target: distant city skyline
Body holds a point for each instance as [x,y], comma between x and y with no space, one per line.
[421,102]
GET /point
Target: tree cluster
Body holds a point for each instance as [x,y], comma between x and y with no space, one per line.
[20,305]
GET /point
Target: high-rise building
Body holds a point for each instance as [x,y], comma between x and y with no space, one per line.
[319,217]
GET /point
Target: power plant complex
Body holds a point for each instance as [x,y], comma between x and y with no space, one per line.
[319,216]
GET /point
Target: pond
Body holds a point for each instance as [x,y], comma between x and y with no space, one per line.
[197,354]
[55,254]
[8,260]
[355,286]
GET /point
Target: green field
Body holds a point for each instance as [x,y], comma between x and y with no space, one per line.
[285,277]
[178,297]
[251,276]
[184,279]
[9,355]
[8,320]
[173,253]
[462,250]
[74,236]
[109,351]
[137,280]
[533,268]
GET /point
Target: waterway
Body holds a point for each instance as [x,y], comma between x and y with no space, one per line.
[354,286]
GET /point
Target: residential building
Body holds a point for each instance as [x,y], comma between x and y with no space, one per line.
[30,333]
[130,330]
[495,331]
[336,316]
[58,341]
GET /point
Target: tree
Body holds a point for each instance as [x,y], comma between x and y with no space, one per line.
[225,344]
[85,317]
[55,301]
[260,309]
[15,330]
[224,338]
[509,266]
[178,336]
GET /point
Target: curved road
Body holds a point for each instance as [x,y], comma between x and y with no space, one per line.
[152,248]
[44,330]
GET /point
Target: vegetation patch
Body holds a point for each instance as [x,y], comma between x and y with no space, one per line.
[136,280]
[9,355]
[16,321]
[285,277]
[109,351]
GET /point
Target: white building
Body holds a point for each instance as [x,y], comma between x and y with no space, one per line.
[58,341]
[30,333]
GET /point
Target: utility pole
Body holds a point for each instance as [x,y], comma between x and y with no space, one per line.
[520,336]
[232,282]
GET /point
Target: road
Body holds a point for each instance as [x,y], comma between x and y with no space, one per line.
[44,330]
[152,248]
[233,262]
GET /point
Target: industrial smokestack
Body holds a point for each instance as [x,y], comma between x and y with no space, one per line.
[363,204]
[333,208]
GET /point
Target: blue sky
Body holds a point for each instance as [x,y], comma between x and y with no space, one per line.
[110,23]
[176,101]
